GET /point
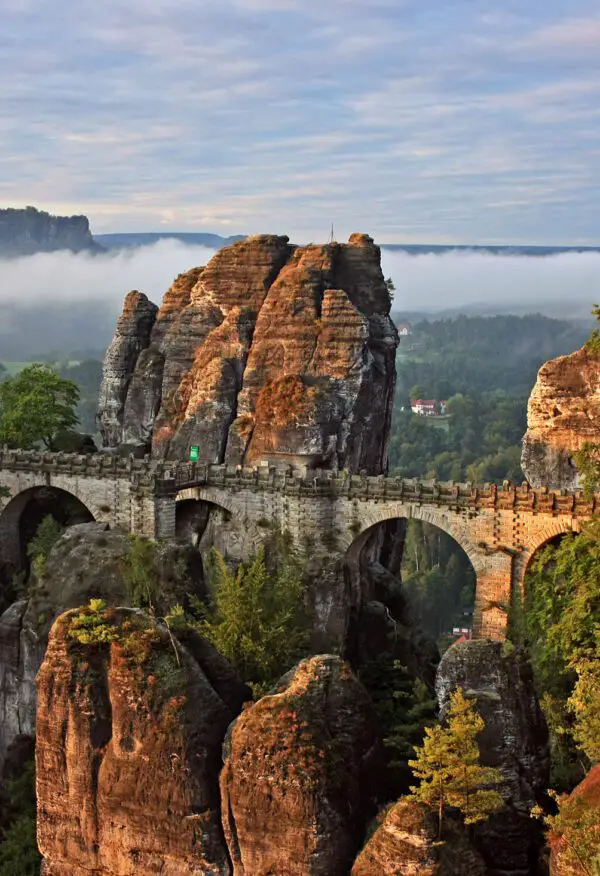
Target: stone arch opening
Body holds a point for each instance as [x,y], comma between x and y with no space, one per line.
[193,516]
[21,517]
[210,521]
[417,568]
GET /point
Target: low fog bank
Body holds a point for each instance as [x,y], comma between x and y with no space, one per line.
[62,301]
[563,285]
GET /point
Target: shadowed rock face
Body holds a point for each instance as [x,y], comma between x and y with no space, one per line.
[563,414]
[515,741]
[270,351]
[128,753]
[300,767]
[132,335]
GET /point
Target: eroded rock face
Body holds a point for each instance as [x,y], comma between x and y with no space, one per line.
[21,653]
[405,844]
[587,793]
[128,753]
[132,335]
[270,351]
[85,563]
[515,740]
[563,414]
[300,768]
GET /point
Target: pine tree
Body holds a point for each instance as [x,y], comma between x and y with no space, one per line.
[448,767]
[256,618]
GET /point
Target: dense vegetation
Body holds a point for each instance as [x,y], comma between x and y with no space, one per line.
[484,367]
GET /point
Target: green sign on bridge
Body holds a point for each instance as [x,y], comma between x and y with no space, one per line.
[194,453]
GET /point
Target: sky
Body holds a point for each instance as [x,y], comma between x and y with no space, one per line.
[449,121]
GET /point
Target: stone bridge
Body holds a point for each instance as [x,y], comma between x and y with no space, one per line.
[499,528]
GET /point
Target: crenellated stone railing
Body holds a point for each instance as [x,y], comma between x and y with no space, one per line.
[168,478]
[321,482]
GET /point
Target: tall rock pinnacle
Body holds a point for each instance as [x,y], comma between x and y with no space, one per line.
[270,352]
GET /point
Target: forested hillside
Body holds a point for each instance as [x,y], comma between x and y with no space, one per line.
[484,367]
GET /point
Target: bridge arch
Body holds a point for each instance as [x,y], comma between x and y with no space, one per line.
[552,530]
[22,515]
[454,525]
[211,517]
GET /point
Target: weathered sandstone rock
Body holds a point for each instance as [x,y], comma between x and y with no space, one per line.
[587,795]
[132,335]
[128,754]
[515,740]
[300,770]
[86,562]
[269,352]
[405,844]
[563,414]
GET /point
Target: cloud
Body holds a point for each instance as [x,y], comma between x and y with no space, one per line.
[410,121]
[563,284]
[61,277]
[446,280]
[570,35]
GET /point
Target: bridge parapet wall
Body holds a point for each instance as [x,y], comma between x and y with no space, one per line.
[380,488]
[76,464]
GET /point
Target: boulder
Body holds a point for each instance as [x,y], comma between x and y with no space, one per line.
[128,752]
[406,844]
[301,766]
[515,741]
[563,414]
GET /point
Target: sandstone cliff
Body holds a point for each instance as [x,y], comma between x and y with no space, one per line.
[515,741]
[271,351]
[563,414]
[129,733]
[28,231]
[86,562]
[300,770]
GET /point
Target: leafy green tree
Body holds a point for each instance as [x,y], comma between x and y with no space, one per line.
[256,618]
[562,620]
[584,702]
[448,767]
[141,574]
[19,854]
[46,536]
[404,706]
[35,406]
[574,832]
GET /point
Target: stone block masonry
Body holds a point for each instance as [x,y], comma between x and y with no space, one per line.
[499,528]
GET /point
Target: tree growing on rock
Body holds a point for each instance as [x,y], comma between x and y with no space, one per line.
[449,770]
[35,406]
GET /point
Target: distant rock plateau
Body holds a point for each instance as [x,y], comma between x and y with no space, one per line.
[30,231]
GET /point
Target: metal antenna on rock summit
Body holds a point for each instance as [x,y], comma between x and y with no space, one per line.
[331,236]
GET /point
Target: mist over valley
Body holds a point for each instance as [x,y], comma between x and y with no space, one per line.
[63,301]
